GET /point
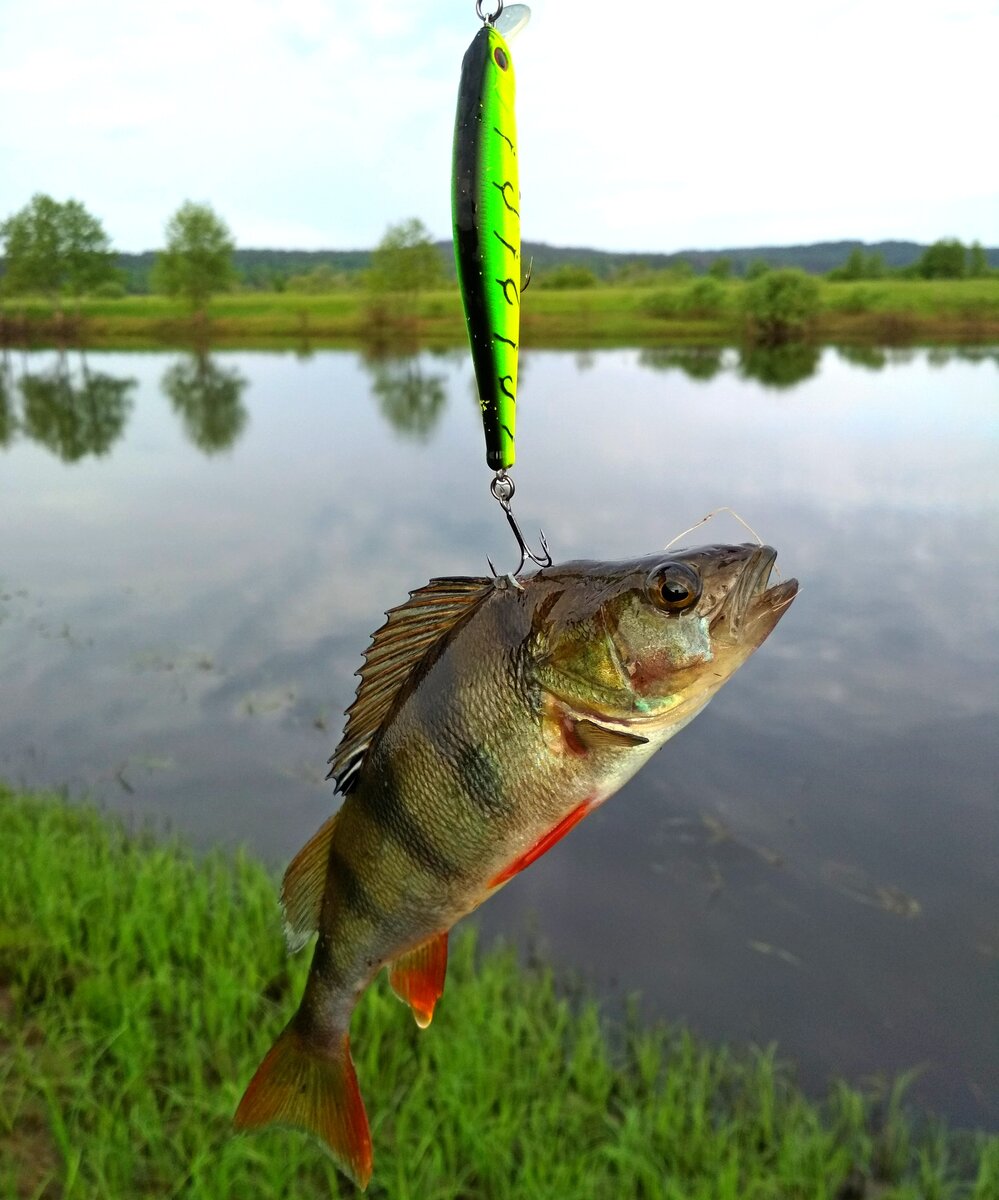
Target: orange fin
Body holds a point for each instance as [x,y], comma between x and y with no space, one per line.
[303,886]
[418,977]
[299,1086]
[543,845]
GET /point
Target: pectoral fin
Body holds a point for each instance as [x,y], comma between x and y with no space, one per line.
[542,845]
[600,737]
[418,977]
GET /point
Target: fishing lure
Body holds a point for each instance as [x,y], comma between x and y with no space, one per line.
[485,213]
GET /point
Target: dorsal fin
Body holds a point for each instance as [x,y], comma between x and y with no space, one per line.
[396,649]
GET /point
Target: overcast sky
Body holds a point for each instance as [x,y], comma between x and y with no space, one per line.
[642,126]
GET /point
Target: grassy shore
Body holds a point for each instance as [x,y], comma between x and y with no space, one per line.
[888,311]
[139,987]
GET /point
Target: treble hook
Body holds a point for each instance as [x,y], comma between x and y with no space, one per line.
[502,488]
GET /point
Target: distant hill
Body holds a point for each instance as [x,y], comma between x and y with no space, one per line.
[267,268]
[817,257]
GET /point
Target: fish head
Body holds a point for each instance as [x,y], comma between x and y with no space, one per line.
[646,643]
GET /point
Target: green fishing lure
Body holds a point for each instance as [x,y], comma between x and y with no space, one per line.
[485,211]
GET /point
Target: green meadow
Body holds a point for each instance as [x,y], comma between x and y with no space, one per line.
[886,310]
[139,986]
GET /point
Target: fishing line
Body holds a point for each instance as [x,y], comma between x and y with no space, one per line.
[742,521]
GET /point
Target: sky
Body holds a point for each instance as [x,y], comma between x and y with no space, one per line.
[655,127]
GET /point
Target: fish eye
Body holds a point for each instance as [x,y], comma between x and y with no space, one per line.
[674,587]
[501,59]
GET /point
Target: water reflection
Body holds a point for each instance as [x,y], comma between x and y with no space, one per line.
[72,411]
[871,358]
[781,366]
[696,362]
[8,418]
[978,354]
[208,399]
[409,398]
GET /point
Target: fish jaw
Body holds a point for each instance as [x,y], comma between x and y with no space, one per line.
[751,610]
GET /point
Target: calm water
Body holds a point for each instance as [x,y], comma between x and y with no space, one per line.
[193,552]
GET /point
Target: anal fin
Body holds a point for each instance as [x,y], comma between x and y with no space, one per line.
[303,886]
[543,844]
[418,977]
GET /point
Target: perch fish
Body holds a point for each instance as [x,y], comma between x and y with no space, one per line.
[489,720]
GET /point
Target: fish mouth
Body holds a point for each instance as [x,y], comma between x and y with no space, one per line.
[752,608]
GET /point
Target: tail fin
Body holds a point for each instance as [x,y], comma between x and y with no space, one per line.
[315,1091]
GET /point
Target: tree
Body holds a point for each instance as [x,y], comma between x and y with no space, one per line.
[978,263]
[853,268]
[721,268]
[405,261]
[780,305]
[197,260]
[860,266]
[55,248]
[945,259]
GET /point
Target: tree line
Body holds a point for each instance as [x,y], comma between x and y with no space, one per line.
[59,250]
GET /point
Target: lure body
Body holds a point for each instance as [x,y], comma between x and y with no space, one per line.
[485,204]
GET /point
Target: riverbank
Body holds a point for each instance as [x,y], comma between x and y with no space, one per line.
[888,312]
[139,987]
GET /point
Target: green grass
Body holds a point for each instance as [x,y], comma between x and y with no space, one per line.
[880,310]
[139,987]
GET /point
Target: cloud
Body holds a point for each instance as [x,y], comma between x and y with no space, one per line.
[642,127]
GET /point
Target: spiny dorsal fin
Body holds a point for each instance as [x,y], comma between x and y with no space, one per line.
[412,629]
[303,886]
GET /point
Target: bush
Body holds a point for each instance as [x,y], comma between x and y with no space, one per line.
[780,305]
[945,259]
[567,276]
[705,298]
[858,300]
[110,289]
[662,304]
[322,280]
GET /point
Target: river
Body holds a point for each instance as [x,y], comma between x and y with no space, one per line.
[193,550]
